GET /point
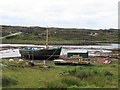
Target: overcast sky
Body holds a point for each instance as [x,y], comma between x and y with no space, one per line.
[96,14]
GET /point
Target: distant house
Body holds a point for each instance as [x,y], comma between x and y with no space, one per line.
[93,34]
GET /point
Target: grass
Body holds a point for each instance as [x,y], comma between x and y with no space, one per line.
[95,76]
[30,41]
[63,37]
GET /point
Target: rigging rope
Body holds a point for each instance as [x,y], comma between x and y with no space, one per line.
[51,55]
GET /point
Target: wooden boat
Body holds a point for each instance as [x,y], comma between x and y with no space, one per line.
[40,53]
[43,53]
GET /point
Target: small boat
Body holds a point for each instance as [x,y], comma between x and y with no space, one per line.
[42,53]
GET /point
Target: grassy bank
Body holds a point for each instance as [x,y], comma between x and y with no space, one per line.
[95,76]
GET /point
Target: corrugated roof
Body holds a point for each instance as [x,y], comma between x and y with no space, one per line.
[77,51]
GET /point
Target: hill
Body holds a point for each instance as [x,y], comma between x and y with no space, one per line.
[36,35]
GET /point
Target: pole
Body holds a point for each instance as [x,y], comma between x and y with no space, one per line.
[47,38]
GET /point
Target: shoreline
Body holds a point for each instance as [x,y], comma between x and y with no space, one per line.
[81,43]
[18,45]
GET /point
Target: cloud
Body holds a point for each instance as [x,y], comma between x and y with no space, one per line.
[60,13]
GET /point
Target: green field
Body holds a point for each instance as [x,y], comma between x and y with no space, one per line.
[37,35]
[94,76]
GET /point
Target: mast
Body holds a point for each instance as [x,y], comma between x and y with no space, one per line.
[47,38]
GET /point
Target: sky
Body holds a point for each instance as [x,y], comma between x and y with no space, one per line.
[93,14]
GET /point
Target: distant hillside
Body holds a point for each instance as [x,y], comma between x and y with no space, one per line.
[36,35]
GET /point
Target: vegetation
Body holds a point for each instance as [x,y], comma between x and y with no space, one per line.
[94,76]
[6,81]
[36,35]
[19,75]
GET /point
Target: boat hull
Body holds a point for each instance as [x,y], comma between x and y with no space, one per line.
[44,54]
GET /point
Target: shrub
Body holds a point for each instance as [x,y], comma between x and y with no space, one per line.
[55,84]
[6,81]
[80,73]
[107,73]
[95,72]
[72,72]
[114,65]
[83,74]
[71,80]
[51,66]
[98,81]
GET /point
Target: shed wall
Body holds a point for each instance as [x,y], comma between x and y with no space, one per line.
[84,55]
